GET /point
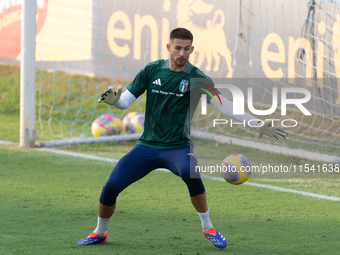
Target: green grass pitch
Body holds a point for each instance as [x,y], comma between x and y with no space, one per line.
[49,202]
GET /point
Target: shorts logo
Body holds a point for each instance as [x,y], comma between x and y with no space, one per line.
[184,85]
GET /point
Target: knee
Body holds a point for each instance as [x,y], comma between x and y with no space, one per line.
[109,194]
[195,187]
[189,174]
[193,182]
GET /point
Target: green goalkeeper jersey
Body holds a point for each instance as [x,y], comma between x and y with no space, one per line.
[171,99]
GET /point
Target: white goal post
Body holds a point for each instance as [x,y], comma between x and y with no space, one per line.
[27,74]
[84,46]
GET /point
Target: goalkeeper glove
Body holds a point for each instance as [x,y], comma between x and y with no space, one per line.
[111,97]
[273,132]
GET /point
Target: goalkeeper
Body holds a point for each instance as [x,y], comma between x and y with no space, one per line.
[165,142]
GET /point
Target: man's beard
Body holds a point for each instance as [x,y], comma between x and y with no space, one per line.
[180,63]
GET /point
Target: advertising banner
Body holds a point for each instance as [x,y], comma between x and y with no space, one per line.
[279,41]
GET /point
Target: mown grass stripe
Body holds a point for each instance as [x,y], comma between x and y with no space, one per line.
[303,193]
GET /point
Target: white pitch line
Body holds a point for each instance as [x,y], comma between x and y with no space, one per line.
[5,142]
[87,156]
[79,155]
[308,194]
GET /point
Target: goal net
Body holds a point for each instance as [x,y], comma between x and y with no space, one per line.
[82,47]
[287,44]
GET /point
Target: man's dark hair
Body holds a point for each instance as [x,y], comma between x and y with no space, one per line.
[181,33]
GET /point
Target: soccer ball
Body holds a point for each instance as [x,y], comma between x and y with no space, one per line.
[137,123]
[133,123]
[236,169]
[126,122]
[106,124]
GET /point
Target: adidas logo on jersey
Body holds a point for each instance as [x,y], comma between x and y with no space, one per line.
[157,82]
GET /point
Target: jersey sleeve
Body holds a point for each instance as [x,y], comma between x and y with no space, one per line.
[139,83]
[204,84]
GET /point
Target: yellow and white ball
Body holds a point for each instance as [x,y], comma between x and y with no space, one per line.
[126,122]
[133,123]
[236,169]
[105,125]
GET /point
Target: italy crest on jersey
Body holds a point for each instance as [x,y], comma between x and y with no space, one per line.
[184,85]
